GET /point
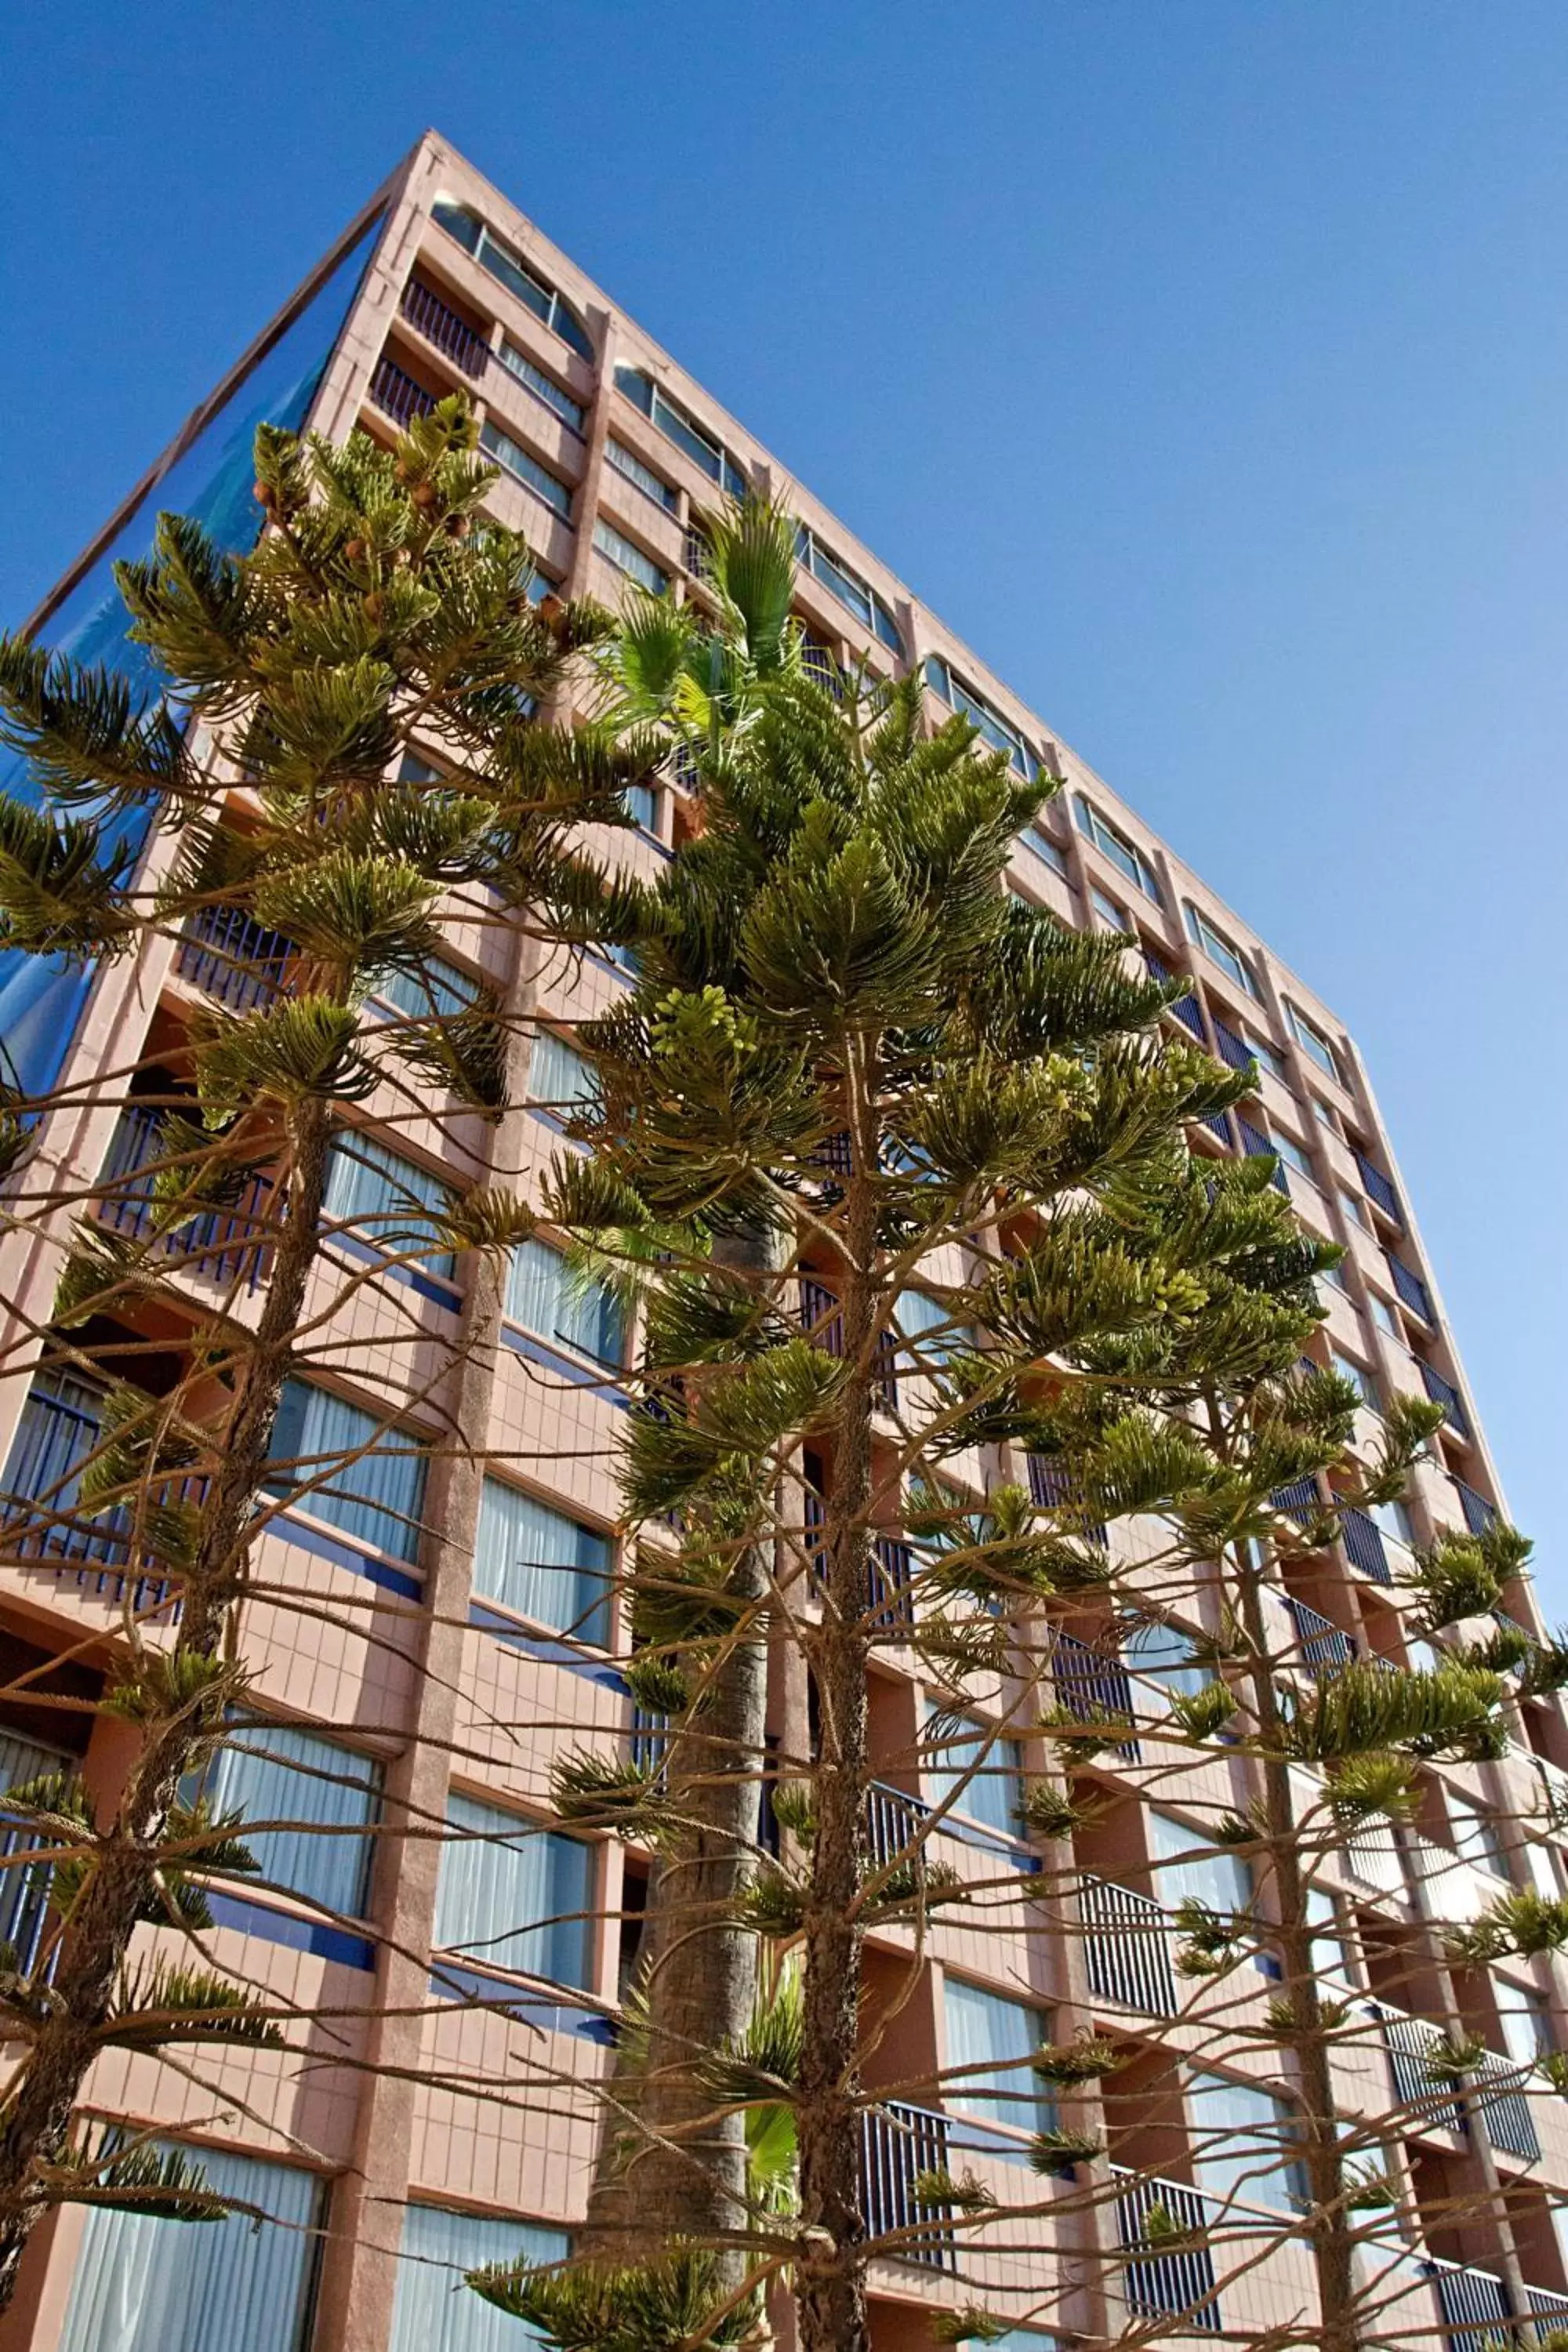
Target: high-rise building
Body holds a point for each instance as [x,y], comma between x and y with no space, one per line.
[406,2151]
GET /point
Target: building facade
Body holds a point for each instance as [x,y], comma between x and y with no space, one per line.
[463,1993]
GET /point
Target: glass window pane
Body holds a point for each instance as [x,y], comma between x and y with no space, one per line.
[617,549]
[545,1296]
[328,1796]
[514,1895]
[1162,1656]
[557,1074]
[144,2283]
[438,989]
[390,1204]
[378,1498]
[991,2041]
[544,387]
[1242,2143]
[677,426]
[435,2312]
[954,1746]
[1212,1875]
[517,461]
[630,465]
[543,1564]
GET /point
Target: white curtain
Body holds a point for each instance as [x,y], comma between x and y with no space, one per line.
[996,2037]
[958,1744]
[435,2312]
[144,2283]
[391,1202]
[273,1772]
[543,1564]
[376,1499]
[514,1895]
[545,1295]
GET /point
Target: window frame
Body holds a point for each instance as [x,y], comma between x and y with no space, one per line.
[1220,950]
[1318,1048]
[843,583]
[1118,846]
[725,470]
[948,687]
[626,465]
[443,211]
[642,571]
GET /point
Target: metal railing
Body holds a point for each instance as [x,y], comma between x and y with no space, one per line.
[1187,1009]
[697,555]
[1479,1515]
[1505,2109]
[1218,1124]
[397,395]
[59,1429]
[1255,1143]
[1410,1288]
[1477,2315]
[1323,1646]
[1230,1047]
[893,1821]
[221,1244]
[1127,1948]
[226,953]
[1545,2303]
[822,1321]
[1429,2096]
[1444,1393]
[1379,1190]
[1092,1684]
[649,1738]
[1051,1489]
[1362,1540]
[1180,2281]
[897,2143]
[1300,1499]
[440,325]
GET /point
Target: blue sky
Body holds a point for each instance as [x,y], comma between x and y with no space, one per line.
[1205,366]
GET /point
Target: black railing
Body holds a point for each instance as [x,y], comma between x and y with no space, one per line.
[1255,1143]
[1127,1948]
[1324,1648]
[1477,2315]
[1179,2282]
[1299,1500]
[898,2143]
[1411,1289]
[226,953]
[1362,1540]
[1505,2109]
[1218,1124]
[1232,1048]
[1379,1190]
[1444,1393]
[1093,1685]
[893,1822]
[1410,2042]
[1051,1489]
[1479,1515]
[397,395]
[221,1244]
[40,1515]
[440,324]
[824,1323]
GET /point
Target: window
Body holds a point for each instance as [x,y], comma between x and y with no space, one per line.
[1328,1951]
[848,587]
[544,387]
[438,988]
[514,274]
[545,1296]
[1042,846]
[331,1798]
[618,550]
[1525,2017]
[1475,1835]
[959,1744]
[1268,1056]
[59,1428]
[1231,961]
[558,1074]
[434,2310]
[1109,913]
[391,1204]
[1291,1153]
[928,1326]
[516,460]
[1186,1869]
[631,467]
[1312,1041]
[1243,2140]
[375,1499]
[1395,1522]
[1354,1208]
[641,802]
[1361,1380]
[536,1561]
[514,1895]
[678,425]
[1164,1656]
[990,2042]
[993,729]
[1383,1316]
[1324,1116]
[144,2283]
[1123,853]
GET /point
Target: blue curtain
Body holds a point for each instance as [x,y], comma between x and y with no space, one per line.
[545,1295]
[543,1564]
[996,2037]
[439,988]
[957,1745]
[558,1074]
[144,2283]
[514,1895]
[276,1772]
[435,2312]
[388,1203]
[376,1499]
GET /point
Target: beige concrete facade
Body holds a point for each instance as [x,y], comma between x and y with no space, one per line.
[455,2104]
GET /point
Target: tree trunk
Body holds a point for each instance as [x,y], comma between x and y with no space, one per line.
[122,1884]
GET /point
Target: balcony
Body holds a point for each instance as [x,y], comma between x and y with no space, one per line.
[441,327]
[1379,1190]
[824,1325]
[1093,1685]
[227,954]
[1323,1647]
[396,394]
[1504,2109]
[1412,1290]
[1479,1515]
[1299,1500]
[1127,1948]
[1232,1049]
[223,1245]
[1218,1126]
[1444,1393]
[1478,2314]
[1187,1009]
[1362,1540]
[1428,2096]
[893,1821]
[1255,1143]
[897,2143]
[1050,1489]
[1177,2284]
[58,1431]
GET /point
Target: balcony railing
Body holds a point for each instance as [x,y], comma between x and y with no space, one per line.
[40,1494]
[222,1245]
[1411,1289]
[1505,2109]
[1410,2042]
[897,2143]
[1477,2315]
[1127,1948]
[1187,1009]
[1379,1190]
[698,556]
[440,325]
[226,953]
[820,1318]
[1092,1684]
[1545,2303]
[1299,1501]
[1179,2282]
[893,1822]
[397,395]
[1479,1515]
[1362,1540]
[1324,1647]
[1444,1393]
[1232,1048]
[1218,1125]
[1255,1143]
[1050,1489]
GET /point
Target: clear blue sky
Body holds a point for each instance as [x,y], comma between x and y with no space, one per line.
[1206,366]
